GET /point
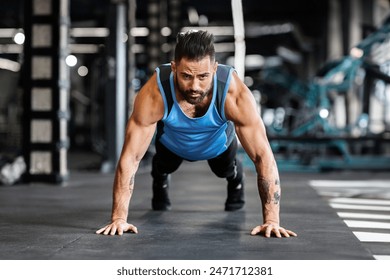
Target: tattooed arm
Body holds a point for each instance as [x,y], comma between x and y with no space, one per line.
[240,107]
[148,109]
[269,192]
[268,185]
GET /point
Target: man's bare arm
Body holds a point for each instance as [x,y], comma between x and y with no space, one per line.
[148,109]
[240,107]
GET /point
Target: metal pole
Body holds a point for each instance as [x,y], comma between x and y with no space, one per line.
[153,21]
[335,36]
[120,101]
[132,67]
[46,90]
[239,38]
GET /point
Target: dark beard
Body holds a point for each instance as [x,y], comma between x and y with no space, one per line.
[190,99]
[186,94]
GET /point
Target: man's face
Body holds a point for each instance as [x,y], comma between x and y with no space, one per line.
[194,79]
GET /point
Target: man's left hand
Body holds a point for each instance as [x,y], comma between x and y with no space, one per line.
[269,228]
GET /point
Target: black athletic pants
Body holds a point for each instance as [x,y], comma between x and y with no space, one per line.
[224,166]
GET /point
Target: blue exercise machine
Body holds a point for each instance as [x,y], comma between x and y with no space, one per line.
[305,136]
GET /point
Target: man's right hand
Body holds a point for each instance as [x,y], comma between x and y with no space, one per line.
[118,226]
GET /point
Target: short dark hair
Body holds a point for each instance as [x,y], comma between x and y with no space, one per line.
[194,45]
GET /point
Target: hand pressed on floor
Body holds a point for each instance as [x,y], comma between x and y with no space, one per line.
[117,227]
[270,228]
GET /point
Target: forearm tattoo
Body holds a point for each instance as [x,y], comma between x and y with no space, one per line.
[276,197]
[132,180]
[264,187]
[277,193]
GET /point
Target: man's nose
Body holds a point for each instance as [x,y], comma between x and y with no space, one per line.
[195,85]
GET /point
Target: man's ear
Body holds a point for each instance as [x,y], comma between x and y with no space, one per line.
[215,66]
[173,66]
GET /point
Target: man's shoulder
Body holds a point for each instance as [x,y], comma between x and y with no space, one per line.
[149,102]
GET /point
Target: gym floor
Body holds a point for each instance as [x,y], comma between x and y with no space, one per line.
[58,222]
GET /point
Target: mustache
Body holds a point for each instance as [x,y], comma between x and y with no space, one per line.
[187,92]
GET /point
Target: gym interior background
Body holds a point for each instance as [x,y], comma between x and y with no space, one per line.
[70,69]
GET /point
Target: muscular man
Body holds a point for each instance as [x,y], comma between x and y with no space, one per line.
[198,107]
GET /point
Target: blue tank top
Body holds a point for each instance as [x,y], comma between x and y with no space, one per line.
[198,138]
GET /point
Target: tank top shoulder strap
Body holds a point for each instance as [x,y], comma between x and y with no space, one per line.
[224,73]
[164,76]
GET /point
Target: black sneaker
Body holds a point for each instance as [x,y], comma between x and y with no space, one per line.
[235,199]
[160,200]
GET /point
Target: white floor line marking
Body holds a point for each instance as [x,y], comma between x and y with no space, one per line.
[360,201]
[372,236]
[334,193]
[359,207]
[382,257]
[366,224]
[349,183]
[349,215]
